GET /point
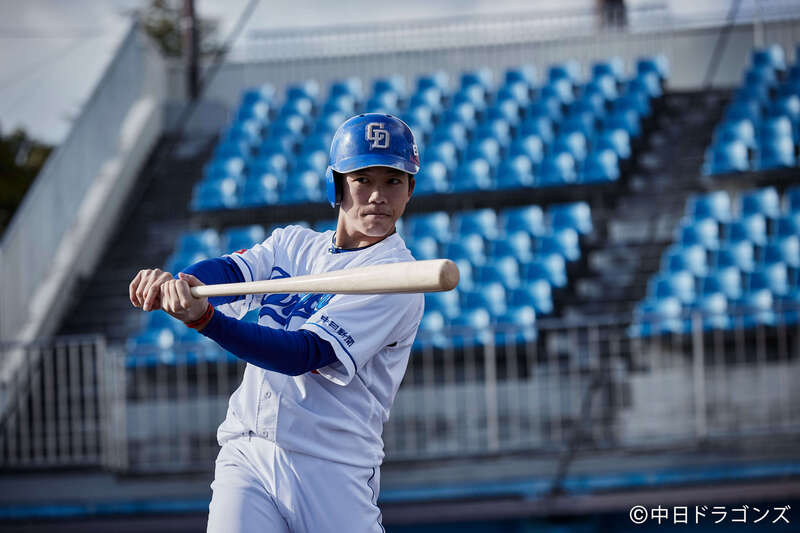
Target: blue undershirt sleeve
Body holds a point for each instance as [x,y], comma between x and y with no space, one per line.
[288,352]
[218,270]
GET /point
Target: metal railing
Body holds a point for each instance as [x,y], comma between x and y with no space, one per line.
[64,219]
[565,387]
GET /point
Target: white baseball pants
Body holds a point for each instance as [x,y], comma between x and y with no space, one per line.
[259,487]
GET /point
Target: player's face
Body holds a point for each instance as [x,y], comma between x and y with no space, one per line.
[372,201]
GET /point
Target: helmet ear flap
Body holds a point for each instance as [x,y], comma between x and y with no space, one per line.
[333,186]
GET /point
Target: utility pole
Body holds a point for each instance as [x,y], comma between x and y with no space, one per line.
[190,49]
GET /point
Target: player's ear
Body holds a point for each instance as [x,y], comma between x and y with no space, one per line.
[411,183]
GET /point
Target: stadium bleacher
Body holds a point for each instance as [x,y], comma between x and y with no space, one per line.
[475,137]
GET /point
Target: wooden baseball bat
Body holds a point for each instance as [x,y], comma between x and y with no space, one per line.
[432,275]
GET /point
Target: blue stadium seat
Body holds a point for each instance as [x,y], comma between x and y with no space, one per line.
[563,241]
[539,125]
[600,166]
[385,102]
[250,130]
[557,170]
[284,143]
[504,270]
[551,267]
[508,110]
[447,303]
[793,199]
[431,332]
[787,105]
[319,140]
[576,215]
[517,244]
[788,225]
[463,112]
[727,157]
[739,254]
[491,297]
[657,64]
[783,249]
[260,190]
[605,86]
[258,111]
[591,103]
[517,326]
[616,139]
[454,132]
[396,84]
[291,124]
[517,91]
[523,73]
[444,151]
[217,194]
[432,179]
[754,308]
[202,241]
[771,57]
[626,119]
[237,148]
[515,171]
[473,95]
[657,316]
[273,163]
[495,128]
[569,70]
[686,258]
[312,159]
[561,89]
[703,232]
[531,146]
[424,248]
[765,201]
[302,107]
[529,218]
[613,66]
[680,285]
[473,175]
[430,97]
[646,84]
[265,93]
[487,148]
[773,277]
[741,129]
[438,79]
[349,86]
[716,205]
[303,187]
[574,143]
[549,106]
[468,247]
[419,116]
[243,237]
[536,293]
[481,221]
[771,128]
[179,261]
[632,101]
[744,109]
[306,89]
[727,280]
[776,153]
[752,227]
[217,169]
[471,328]
[713,308]
[435,224]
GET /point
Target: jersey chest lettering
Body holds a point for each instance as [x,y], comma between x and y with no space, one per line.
[283,307]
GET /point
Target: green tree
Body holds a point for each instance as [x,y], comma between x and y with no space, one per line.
[161,20]
[21,159]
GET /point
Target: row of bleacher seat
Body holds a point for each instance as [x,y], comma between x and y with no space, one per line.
[761,126]
[567,130]
[736,265]
[510,262]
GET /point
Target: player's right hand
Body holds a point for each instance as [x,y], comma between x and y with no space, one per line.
[145,289]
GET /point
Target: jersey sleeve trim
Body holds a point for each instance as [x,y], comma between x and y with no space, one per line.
[240,261]
[349,362]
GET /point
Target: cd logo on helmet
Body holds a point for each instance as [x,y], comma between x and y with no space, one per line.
[378,136]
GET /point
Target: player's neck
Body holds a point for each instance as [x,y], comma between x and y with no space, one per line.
[348,241]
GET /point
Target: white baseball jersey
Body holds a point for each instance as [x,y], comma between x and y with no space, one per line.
[337,412]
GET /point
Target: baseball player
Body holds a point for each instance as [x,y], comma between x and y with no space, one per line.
[301,444]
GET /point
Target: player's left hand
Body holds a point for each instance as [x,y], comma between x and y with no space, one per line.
[177,299]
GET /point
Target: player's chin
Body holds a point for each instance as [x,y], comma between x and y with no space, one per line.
[378,226]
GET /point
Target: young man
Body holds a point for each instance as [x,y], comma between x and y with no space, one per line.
[301,442]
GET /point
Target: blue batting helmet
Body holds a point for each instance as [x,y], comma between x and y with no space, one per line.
[369,140]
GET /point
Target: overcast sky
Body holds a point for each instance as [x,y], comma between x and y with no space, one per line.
[52,52]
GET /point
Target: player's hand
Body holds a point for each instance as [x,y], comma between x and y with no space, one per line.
[177,299]
[145,289]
